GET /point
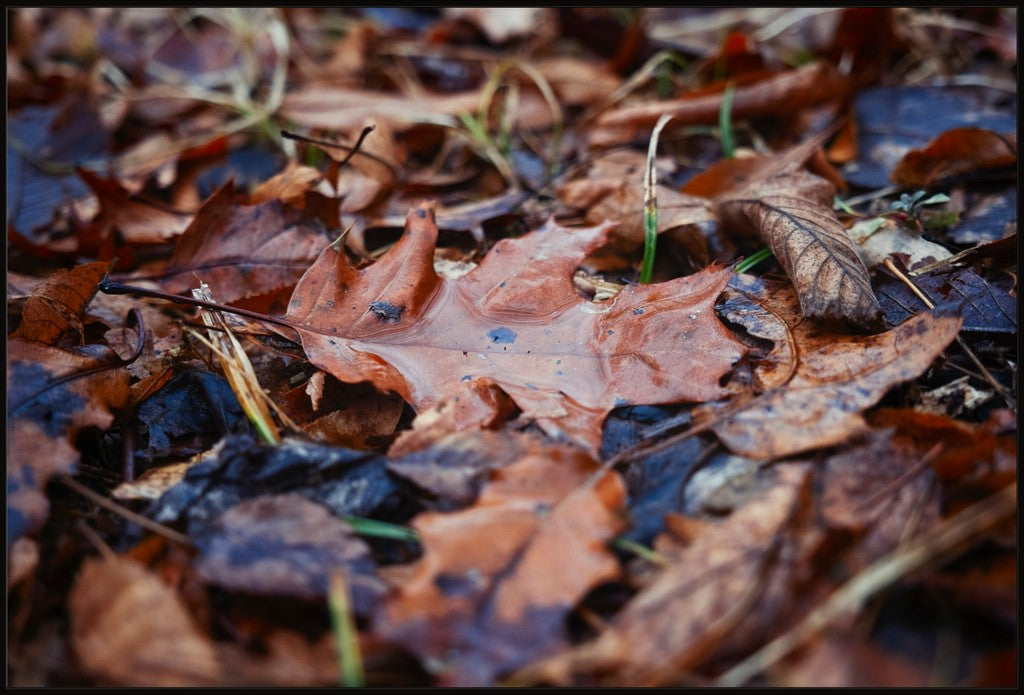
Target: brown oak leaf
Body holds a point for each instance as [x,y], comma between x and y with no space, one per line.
[517,320]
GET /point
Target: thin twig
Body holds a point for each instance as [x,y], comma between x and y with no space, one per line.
[110,505]
[1000,389]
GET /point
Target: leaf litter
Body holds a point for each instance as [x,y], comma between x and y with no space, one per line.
[516,459]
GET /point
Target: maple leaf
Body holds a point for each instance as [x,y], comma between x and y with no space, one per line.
[516,320]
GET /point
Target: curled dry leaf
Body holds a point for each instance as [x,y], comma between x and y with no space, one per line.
[792,212]
[837,376]
[782,94]
[242,250]
[52,395]
[56,305]
[687,610]
[517,320]
[955,152]
[497,580]
[128,628]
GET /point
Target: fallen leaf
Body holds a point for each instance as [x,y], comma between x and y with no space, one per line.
[953,153]
[882,504]
[128,628]
[285,545]
[984,306]
[242,250]
[845,661]
[52,395]
[837,376]
[345,481]
[56,305]
[453,468]
[611,190]
[399,325]
[290,186]
[783,94]
[480,405]
[346,110]
[792,212]
[891,240]
[693,603]
[136,221]
[493,587]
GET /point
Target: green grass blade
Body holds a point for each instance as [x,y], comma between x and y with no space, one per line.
[725,122]
[381,529]
[651,204]
[346,637]
[748,263]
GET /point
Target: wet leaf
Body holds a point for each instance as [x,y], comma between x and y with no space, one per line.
[985,306]
[689,607]
[52,395]
[56,305]
[130,629]
[792,212]
[242,250]
[492,591]
[404,328]
[957,151]
[837,376]
[285,545]
[892,120]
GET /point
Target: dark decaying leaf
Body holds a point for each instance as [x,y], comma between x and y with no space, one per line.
[984,306]
[243,250]
[56,305]
[957,151]
[837,376]
[185,416]
[348,482]
[792,212]
[129,628]
[285,545]
[399,325]
[497,580]
[52,395]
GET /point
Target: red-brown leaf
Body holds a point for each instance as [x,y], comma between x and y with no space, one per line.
[516,320]
[497,580]
[957,151]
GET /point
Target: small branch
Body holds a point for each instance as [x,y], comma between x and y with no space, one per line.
[110,287]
